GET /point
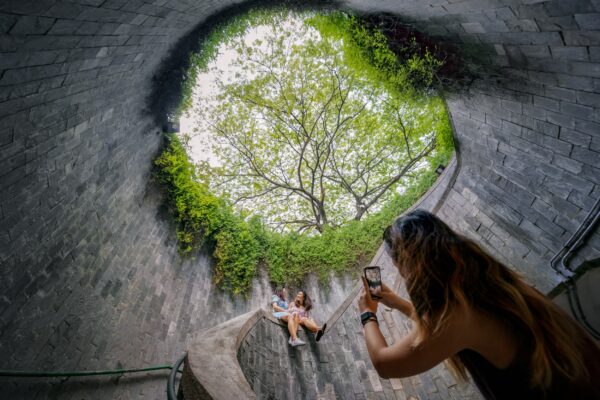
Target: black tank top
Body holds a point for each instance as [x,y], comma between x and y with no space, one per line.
[513,382]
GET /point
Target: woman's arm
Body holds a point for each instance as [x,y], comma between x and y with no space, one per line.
[392,300]
[402,358]
[274,304]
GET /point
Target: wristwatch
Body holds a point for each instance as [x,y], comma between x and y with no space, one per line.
[368,316]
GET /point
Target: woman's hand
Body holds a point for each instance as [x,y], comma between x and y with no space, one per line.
[365,302]
[388,297]
[392,300]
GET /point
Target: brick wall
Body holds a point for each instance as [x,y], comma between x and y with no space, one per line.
[529,133]
[90,274]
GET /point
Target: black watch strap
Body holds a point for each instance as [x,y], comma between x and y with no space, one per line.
[367,316]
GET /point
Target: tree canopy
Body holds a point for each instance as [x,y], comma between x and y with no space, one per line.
[372,117]
[303,137]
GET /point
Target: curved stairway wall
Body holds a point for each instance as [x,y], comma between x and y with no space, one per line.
[90,273]
[254,350]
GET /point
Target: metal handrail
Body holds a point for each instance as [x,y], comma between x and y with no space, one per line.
[560,264]
[560,259]
[171,381]
[66,374]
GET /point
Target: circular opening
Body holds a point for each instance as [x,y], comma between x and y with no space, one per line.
[303,134]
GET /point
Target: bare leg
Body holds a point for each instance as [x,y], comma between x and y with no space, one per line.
[310,324]
[293,327]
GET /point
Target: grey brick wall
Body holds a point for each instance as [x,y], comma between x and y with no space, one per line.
[528,134]
[337,367]
[526,184]
[90,274]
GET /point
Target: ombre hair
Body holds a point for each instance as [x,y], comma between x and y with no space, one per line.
[444,270]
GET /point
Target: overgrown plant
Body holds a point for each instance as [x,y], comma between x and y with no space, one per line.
[204,219]
[241,243]
[413,70]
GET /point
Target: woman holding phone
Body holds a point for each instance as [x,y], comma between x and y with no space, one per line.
[480,316]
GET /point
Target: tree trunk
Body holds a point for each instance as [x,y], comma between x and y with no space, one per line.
[360,211]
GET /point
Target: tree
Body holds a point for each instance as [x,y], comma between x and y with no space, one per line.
[305,140]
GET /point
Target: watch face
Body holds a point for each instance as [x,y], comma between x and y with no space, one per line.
[366,315]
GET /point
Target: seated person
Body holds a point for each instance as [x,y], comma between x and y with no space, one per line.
[298,314]
[279,304]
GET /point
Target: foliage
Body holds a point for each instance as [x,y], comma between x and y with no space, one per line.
[203,218]
[221,34]
[367,50]
[344,249]
[305,140]
[240,243]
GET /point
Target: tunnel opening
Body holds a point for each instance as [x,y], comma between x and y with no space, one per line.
[84,252]
[282,112]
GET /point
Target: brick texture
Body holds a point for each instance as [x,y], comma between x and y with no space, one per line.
[338,366]
[90,273]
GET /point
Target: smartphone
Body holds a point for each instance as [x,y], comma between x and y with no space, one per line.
[373,276]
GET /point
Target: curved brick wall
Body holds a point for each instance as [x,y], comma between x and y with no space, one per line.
[90,275]
[337,367]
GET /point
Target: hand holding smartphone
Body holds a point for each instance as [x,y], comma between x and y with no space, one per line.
[373,277]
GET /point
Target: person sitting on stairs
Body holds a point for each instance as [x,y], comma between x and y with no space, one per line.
[299,314]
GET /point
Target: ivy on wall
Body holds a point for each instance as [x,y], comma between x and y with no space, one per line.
[240,243]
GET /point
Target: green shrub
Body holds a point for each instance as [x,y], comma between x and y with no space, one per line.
[241,244]
[367,50]
[203,218]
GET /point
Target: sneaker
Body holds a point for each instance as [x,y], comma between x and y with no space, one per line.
[320,333]
[299,342]
[291,342]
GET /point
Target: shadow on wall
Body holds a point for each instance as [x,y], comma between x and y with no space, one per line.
[581,299]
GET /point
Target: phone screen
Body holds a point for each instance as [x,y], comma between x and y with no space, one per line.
[373,276]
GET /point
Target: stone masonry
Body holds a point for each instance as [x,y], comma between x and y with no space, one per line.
[529,134]
[338,366]
[91,278]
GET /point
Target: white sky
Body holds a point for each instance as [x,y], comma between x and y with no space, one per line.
[221,67]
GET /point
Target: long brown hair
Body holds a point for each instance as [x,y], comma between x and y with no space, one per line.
[443,270]
[307,302]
